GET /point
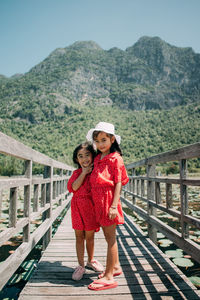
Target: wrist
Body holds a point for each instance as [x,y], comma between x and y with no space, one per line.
[113,206]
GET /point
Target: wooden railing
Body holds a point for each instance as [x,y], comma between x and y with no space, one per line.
[44,199]
[147,190]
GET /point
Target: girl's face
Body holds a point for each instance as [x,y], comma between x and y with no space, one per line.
[84,157]
[104,142]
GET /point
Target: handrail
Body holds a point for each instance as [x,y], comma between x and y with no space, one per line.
[12,147]
[44,199]
[187,152]
[148,190]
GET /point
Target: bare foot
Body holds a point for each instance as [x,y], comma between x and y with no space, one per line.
[116,272]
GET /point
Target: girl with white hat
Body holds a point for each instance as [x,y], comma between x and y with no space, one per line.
[107,178]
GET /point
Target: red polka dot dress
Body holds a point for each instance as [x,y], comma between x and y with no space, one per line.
[82,206]
[107,172]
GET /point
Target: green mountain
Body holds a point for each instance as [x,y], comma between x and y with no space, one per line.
[149,75]
[150,92]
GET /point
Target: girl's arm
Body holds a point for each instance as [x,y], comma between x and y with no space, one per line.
[78,182]
[113,209]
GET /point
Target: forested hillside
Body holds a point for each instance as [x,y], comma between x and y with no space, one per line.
[144,133]
[150,92]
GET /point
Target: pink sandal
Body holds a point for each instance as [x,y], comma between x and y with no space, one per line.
[95,265]
[78,273]
[102,285]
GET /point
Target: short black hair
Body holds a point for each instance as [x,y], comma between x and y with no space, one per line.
[86,145]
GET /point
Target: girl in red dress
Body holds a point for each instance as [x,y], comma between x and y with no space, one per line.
[83,223]
[107,178]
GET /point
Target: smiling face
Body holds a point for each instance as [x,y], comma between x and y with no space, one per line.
[84,157]
[103,142]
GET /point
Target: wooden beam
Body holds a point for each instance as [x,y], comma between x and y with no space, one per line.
[187,152]
[12,147]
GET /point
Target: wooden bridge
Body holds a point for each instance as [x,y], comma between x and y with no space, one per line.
[147,272]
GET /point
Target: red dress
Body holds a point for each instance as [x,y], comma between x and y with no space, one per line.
[107,172]
[82,206]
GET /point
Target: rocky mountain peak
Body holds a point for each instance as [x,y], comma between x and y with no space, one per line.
[90,45]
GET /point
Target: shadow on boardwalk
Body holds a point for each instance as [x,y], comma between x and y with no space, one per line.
[147,272]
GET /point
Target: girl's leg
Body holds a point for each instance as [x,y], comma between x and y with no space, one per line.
[112,250]
[117,270]
[80,245]
[89,236]
[117,267]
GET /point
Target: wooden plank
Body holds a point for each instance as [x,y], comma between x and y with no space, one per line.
[184,198]
[189,219]
[136,279]
[187,245]
[77,289]
[13,182]
[13,207]
[14,148]
[141,296]
[27,200]
[170,180]
[190,151]
[10,265]
[1,201]
[6,234]
[145,275]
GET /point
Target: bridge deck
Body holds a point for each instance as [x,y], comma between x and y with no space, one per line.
[147,273]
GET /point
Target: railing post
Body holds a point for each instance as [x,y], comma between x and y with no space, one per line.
[43,194]
[142,188]
[48,173]
[169,200]
[184,198]
[54,190]
[138,186]
[133,186]
[36,197]
[157,193]
[27,200]
[151,172]
[1,201]
[13,207]
[61,188]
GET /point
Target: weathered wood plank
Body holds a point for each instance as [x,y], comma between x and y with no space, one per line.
[9,232]
[187,245]
[175,213]
[170,180]
[147,272]
[14,148]
[141,296]
[80,289]
[10,265]
[13,182]
[190,151]
[1,201]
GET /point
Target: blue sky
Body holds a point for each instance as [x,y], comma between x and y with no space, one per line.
[31,29]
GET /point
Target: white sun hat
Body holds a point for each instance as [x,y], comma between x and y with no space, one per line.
[105,127]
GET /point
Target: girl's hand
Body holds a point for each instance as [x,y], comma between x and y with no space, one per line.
[88,169]
[113,212]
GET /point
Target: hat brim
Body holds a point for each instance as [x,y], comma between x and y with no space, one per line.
[90,134]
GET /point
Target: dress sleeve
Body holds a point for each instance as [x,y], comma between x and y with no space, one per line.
[120,174]
[74,176]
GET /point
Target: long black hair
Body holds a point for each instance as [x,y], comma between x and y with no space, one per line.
[114,147]
[88,146]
